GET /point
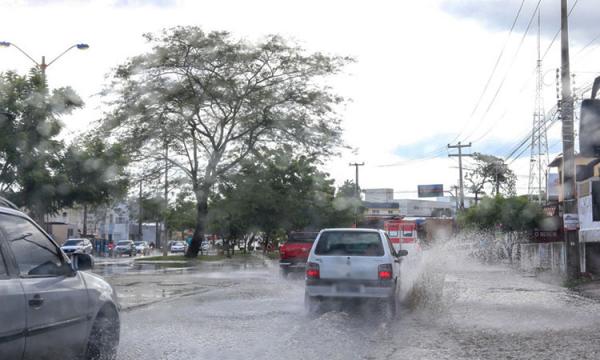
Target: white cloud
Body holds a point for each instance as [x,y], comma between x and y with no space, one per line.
[419,70]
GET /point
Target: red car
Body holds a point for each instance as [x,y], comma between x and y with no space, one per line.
[294,252]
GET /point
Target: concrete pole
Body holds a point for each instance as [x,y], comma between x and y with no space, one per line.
[568,173]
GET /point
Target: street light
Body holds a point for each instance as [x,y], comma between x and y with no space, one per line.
[43,65]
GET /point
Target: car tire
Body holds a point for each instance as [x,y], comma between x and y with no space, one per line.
[284,273]
[312,304]
[390,308]
[104,336]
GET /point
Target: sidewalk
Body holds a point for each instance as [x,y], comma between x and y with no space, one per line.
[590,289]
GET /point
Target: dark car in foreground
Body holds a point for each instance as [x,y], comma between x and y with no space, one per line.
[294,252]
[50,307]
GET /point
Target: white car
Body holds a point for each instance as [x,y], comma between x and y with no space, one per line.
[142,247]
[205,246]
[178,247]
[353,264]
[71,246]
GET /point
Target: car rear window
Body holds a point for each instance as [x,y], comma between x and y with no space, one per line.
[306,237]
[123,243]
[349,243]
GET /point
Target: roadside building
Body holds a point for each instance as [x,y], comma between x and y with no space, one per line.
[103,222]
[379,195]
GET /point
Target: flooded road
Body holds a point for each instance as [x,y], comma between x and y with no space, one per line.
[455,310]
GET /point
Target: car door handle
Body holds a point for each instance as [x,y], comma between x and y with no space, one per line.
[37,301]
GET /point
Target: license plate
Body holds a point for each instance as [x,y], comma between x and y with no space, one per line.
[348,288]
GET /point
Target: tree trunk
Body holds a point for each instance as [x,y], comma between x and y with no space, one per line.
[202,212]
[85,211]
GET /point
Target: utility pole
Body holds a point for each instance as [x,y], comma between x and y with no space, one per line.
[460,155]
[568,173]
[140,213]
[165,250]
[356,191]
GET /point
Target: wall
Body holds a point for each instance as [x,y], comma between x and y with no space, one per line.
[413,207]
[379,195]
[543,256]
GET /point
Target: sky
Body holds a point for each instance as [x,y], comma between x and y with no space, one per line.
[417,84]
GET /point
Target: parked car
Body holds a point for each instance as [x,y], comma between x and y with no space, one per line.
[125,247]
[353,264]
[294,252]
[205,246]
[52,308]
[77,246]
[177,247]
[142,247]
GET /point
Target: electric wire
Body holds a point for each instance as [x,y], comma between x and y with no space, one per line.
[502,82]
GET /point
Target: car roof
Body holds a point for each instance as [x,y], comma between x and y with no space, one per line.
[352,229]
[10,211]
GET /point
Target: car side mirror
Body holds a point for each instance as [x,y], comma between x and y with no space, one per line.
[82,262]
[402,252]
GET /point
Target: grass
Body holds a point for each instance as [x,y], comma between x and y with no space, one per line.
[573,283]
[273,255]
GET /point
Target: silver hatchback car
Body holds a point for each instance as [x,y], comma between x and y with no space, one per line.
[353,264]
[49,307]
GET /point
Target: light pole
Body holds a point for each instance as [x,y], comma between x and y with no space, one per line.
[43,65]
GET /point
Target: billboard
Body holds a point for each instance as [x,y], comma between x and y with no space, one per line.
[435,190]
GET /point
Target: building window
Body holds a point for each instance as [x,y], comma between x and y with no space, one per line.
[375,211]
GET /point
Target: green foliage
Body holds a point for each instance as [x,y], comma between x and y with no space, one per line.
[217,100]
[94,172]
[490,175]
[182,215]
[499,213]
[276,195]
[29,148]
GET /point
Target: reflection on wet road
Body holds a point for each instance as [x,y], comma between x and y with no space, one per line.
[455,310]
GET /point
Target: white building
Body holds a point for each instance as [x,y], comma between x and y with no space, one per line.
[425,208]
[110,222]
[379,195]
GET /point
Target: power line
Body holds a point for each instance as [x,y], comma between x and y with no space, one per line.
[515,56]
[558,32]
[489,80]
[489,130]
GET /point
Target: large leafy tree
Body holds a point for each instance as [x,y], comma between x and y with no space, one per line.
[29,147]
[276,195]
[490,174]
[94,174]
[212,101]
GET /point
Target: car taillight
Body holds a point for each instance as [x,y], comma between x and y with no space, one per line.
[385,272]
[312,271]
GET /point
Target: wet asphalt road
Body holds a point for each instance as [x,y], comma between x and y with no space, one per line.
[455,310]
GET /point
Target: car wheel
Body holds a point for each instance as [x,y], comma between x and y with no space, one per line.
[390,308]
[284,273]
[312,304]
[104,337]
